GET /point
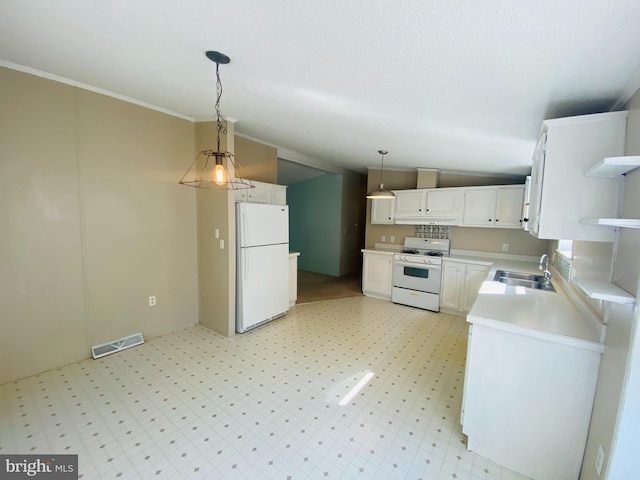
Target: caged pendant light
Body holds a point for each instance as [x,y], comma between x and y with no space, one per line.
[381,192]
[216,169]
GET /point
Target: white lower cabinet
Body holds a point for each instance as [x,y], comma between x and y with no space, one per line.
[377,271]
[461,283]
[527,401]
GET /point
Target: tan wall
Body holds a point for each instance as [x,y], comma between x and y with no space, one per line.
[258,162]
[492,240]
[393,180]
[216,266]
[462,180]
[94,223]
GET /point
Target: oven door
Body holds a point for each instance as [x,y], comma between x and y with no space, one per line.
[412,276]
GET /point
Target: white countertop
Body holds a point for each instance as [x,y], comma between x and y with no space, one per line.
[540,314]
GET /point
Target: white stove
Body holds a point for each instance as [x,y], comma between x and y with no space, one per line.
[417,271]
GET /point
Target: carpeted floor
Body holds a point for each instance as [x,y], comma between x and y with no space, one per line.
[313,287]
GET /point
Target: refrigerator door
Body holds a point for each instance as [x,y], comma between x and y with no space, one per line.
[262,292]
[259,224]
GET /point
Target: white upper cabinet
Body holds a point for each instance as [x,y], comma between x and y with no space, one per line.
[431,206]
[410,203]
[443,202]
[509,206]
[382,210]
[499,207]
[263,193]
[561,193]
[479,207]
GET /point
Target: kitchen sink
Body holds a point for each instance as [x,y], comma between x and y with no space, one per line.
[518,279]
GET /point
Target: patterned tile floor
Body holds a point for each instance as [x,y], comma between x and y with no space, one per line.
[267,404]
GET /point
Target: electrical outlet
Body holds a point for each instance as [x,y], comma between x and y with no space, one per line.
[600,460]
[216,233]
[383,238]
[505,247]
[392,239]
[152,301]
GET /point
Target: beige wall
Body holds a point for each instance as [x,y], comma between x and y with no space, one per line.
[492,239]
[216,266]
[393,180]
[450,179]
[258,162]
[94,223]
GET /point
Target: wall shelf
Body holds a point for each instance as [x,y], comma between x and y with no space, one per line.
[601,290]
[613,222]
[611,167]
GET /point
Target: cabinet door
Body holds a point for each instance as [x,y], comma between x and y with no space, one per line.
[442,202]
[535,185]
[376,275]
[241,194]
[382,210]
[260,194]
[479,207]
[474,276]
[452,273]
[278,195]
[410,202]
[509,202]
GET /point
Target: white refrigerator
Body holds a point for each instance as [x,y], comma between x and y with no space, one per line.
[262,273]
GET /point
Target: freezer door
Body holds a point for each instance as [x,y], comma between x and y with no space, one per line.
[259,224]
[262,291]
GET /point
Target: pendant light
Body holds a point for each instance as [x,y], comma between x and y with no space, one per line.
[381,192]
[216,169]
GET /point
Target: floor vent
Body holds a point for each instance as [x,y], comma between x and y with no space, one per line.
[106,348]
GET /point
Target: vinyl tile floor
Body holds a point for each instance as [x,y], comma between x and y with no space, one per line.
[272,403]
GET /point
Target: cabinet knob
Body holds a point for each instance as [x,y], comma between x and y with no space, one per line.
[489,219]
[427,209]
[496,219]
[526,219]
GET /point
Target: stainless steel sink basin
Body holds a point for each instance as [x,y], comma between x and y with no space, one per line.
[518,279]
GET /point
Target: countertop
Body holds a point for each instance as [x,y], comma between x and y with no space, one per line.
[539,314]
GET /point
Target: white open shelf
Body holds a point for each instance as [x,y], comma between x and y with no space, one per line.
[613,222]
[606,291]
[611,167]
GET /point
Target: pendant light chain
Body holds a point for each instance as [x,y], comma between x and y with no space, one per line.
[221,125]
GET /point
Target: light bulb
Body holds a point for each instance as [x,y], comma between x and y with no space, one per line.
[218,175]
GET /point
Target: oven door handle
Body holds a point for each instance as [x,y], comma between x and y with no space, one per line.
[425,266]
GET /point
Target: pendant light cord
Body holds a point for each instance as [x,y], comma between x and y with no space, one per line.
[382,171]
[222,126]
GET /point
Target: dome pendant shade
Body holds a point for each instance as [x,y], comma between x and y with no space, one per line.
[381,192]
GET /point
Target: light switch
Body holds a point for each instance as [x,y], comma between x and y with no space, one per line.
[216,233]
[221,244]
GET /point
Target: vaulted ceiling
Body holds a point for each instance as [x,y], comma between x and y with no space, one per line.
[457,85]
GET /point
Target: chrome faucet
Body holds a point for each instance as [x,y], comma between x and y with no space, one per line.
[544,265]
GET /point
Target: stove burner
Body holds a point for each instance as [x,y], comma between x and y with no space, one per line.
[410,250]
[434,254]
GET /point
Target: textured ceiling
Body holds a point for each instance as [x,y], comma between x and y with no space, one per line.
[449,84]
